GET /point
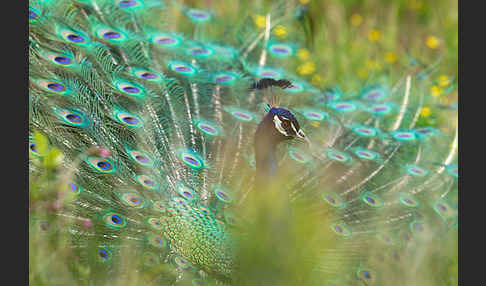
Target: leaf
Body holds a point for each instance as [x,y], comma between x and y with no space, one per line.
[53,158]
[41,142]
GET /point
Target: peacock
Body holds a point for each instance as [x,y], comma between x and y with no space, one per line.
[201,159]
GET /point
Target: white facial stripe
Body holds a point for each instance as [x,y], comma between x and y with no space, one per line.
[301,134]
[278,125]
[293,127]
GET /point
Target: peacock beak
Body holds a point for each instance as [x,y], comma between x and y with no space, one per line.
[301,136]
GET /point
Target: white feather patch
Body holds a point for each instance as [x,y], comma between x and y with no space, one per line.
[278,125]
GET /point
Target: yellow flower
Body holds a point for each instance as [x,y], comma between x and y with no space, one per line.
[374,35]
[280,31]
[304,1]
[432,42]
[306,68]
[444,81]
[260,21]
[356,19]
[435,90]
[316,79]
[362,73]
[390,57]
[303,54]
[425,112]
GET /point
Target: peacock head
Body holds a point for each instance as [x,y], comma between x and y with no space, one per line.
[286,124]
[279,125]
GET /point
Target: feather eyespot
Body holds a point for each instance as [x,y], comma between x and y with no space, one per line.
[366,275]
[198,16]
[182,68]
[101,164]
[147,182]
[74,188]
[158,206]
[365,131]
[61,60]
[240,114]
[268,73]
[114,220]
[408,200]
[280,50]
[204,211]
[156,241]
[298,155]
[372,200]
[191,159]
[128,119]
[44,226]
[338,156]
[417,227]
[224,78]
[443,208]
[341,229]
[33,14]
[110,35]
[208,128]
[222,194]
[74,37]
[146,74]
[141,158]
[453,170]
[230,218]
[132,199]
[386,238]
[343,106]
[314,114]
[53,86]
[103,255]
[155,223]
[366,154]
[200,52]
[166,40]
[374,93]
[380,109]
[150,259]
[130,89]
[333,200]
[128,3]
[181,262]
[33,148]
[416,171]
[404,135]
[186,192]
[71,117]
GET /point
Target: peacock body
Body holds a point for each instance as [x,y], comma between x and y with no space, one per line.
[191,158]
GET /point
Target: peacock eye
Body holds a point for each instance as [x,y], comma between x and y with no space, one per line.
[285,124]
